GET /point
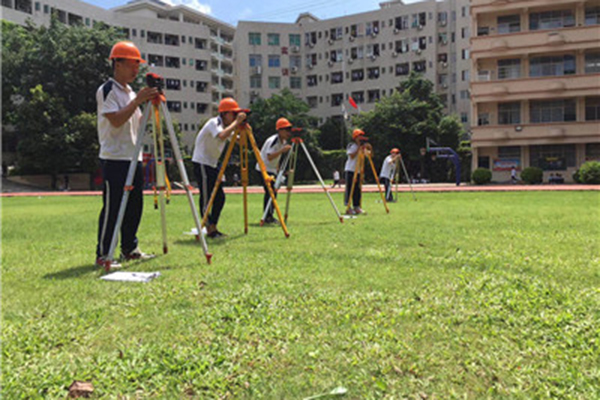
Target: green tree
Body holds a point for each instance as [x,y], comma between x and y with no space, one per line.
[405,119]
[50,77]
[330,134]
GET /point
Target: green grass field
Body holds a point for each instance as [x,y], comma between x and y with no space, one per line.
[457,295]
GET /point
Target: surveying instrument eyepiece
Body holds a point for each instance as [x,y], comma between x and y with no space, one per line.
[155,81]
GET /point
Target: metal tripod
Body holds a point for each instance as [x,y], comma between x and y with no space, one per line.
[243,135]
[158,107]
[289,166]
[365,151]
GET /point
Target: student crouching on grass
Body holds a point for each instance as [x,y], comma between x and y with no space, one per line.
[209,145]
[271,152]
[352,151]
[118,122]
[388,170]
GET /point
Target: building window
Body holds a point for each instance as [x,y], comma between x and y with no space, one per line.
[312,101]
[552,157]
[509,24]
[592,16]
[201,86]
[592,152]
[592,63]
[256,81]
[172,62]
[509,69]
[172,40]
[373,73]
[24,6]
[155,60]
[358,75]
[509,113]
[402,69]
[335,33]
[294,40]
[373,95]
[465,54]
[295,62]
[592,108]
[464,118]
[173,84]
[201,65]
[155,37]
[483,119]
[337,99]
[509,153]
[273,39]
[483,162]
[551,20]
[295,82]
[199,43]
[254,38]
[464,95]
[359,97]
[552,66]
[174,106]
[547,111]
[483,30]
[419,66]
[311,80]
[274,61]
[201,108]
[465,75]
[255,60]
[274,82]
[337,77]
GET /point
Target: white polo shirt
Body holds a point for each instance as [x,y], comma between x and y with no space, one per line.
[388,169]
[351,162]
[116,143]
[272,145]
[208,146]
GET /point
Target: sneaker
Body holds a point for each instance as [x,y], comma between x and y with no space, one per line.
[271,220]
[137,254]
[102,262]
[216,234]
[358,210]
[350,212]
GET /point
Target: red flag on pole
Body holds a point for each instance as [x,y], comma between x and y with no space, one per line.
[353,103]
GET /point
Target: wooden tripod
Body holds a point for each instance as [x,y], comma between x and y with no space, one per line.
[365,151]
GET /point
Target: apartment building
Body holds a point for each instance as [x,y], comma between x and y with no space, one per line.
[364,56]
[192,51]
[535,86]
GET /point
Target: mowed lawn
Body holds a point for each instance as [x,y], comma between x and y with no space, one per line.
[458,295]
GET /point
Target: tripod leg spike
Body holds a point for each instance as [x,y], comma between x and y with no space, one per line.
[208,258]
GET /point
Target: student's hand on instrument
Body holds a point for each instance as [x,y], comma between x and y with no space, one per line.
[286,148]
[240,118]
[145,94]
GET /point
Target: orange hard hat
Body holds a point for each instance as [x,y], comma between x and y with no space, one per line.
[229,104]
[283,123]
[126,49]
[357,133]
[395,151]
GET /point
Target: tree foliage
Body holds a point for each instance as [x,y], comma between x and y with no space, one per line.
[406,118]
[50,77]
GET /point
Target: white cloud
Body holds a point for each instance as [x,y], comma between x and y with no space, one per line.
[245,14]
[195,4]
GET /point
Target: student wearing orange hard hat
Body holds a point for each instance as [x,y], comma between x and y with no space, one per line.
[388,170]
[119,117]
[271,152]
[209,145]
[359,138]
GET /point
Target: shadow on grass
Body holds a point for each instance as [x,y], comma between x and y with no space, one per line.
[76,272]
[210,242]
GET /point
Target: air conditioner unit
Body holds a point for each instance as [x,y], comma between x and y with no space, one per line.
[310,66]
[330,63]
[373,57]
[295,49]
[253,93]
[350,60]
[373,34]
[311,45]
[394,54]
[444,64]
[396,30]
[420,27]
[330,41]
[294,70]
[257,70]
[418,51]
[352,37]
[444,41]
[444,23]
[445,85]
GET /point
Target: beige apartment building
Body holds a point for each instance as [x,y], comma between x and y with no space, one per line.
[364,56]
[192,51]
[535,86]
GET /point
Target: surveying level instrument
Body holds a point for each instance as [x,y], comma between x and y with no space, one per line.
[365,150]
[288,167]
[158,107]
[400,161]
[243,135]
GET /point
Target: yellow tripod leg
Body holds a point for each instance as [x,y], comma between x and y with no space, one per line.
[387,210]
[354,180]
[245,177]
[263,169]
[219,179]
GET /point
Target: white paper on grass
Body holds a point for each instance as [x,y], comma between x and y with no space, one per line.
[131,276]
[194,231]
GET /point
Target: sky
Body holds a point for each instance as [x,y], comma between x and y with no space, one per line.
[232,11]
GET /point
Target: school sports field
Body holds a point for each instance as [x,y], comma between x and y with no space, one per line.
[456,295]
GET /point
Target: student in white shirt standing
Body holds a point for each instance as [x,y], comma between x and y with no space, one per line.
[271,152]
[388,170]
[209,145]
[118,121]
[352,150]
